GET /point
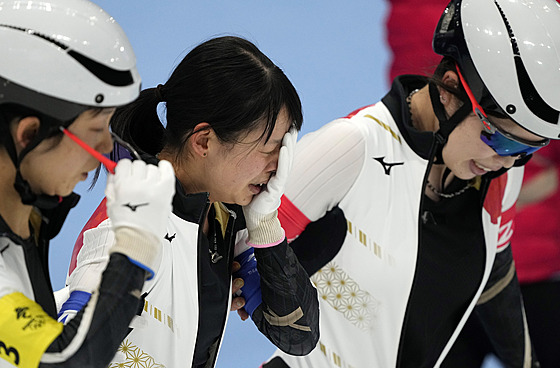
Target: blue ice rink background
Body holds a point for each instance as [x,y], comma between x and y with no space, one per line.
[334,52]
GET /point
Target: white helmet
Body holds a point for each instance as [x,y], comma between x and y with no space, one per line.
[509,53]
[61,57]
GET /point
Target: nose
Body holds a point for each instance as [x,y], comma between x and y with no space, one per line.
[106,144]
[506,161]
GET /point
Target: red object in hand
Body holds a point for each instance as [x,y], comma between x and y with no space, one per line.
[109,164]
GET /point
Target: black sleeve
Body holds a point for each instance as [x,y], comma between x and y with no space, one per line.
[289,313]
[92,338]
[321,240]
[502,316]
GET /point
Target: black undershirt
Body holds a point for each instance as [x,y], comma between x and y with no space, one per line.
[451,260]
[213,292]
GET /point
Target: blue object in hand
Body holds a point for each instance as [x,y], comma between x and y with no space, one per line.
[251,290]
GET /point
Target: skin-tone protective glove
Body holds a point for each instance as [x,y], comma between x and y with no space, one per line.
[261,215]
[139,198]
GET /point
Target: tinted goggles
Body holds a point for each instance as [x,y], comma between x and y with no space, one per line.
[503,143]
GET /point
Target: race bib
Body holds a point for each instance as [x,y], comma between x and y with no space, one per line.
[26,330]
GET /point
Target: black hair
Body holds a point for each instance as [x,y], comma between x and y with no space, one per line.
[11,112]
[227,82]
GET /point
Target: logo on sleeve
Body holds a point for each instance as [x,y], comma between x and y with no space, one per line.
[170,238]
[387,166]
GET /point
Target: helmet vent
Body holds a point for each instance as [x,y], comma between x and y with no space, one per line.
[531,97]
[512,37]
[37,34]
[108,75]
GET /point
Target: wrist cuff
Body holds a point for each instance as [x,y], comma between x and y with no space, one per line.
[142,248]
[265,231]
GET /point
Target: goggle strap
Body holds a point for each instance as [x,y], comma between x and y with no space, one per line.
[477,109]
[488,127]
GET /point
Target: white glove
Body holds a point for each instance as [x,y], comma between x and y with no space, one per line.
[261,215]
[139,198]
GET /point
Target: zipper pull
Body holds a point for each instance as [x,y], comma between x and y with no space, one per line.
[214,256]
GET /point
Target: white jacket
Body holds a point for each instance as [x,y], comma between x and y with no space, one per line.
[365,166]
[164,334]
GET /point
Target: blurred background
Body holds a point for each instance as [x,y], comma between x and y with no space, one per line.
[337,54]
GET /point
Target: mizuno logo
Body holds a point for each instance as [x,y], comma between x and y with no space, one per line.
[170,238]
[386,165]
[133,207]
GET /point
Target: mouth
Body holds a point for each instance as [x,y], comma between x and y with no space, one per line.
[479,169]
[257,188]
[93,166]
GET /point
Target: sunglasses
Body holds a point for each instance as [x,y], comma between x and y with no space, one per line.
[109,164]
[503,143]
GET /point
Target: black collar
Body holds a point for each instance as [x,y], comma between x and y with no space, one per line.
[395,101]
[51,220]
[189,207]
[420,142]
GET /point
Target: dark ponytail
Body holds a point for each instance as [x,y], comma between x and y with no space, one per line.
[138,123]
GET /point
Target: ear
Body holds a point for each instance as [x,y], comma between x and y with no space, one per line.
[25,130]
[450,79]
[449,101]
[200,140]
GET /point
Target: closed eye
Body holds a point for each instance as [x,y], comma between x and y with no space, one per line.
[98,130]
[271,152]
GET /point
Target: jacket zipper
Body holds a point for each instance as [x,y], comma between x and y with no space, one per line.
[433,151]
[229,235]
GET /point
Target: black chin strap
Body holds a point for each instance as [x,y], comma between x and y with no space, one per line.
[42,201]
[446,125]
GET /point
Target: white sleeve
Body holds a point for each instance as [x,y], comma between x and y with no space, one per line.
[326,165]
[513,187]
[511,193]
[241,242]
[92,258]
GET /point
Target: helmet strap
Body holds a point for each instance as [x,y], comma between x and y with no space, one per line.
[42,201]
[21,185]
[446,125]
